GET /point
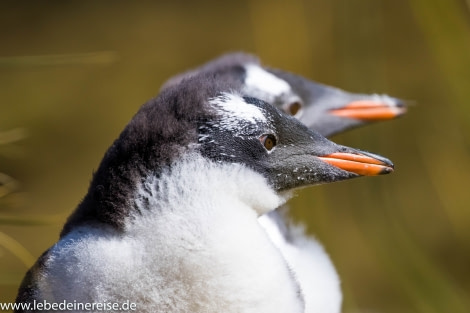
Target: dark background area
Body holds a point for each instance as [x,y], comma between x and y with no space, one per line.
[72,74]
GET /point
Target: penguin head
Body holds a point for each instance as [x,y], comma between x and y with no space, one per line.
[254,133]
[212,118]
[326,109]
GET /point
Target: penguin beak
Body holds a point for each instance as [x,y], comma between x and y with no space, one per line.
[371,110]
[360,162]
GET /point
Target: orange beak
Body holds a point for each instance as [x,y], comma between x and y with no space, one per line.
[369,110]
[360,164]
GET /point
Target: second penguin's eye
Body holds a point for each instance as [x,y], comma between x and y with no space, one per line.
[268,141]
[294,108]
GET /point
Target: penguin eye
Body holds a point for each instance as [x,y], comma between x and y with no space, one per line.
[293,108]
[268,141]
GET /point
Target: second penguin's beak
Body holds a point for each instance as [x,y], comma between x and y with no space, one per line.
[370,110]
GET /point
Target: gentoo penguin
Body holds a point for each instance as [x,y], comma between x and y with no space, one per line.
[169,222]
[325,109]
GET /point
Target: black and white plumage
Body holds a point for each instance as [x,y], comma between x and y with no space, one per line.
[170,219]
[325,109]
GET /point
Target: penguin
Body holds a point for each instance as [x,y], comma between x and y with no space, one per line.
[325,109]
[170,220]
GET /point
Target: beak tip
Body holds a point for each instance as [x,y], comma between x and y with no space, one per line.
[400,110]
[400,103]
[387,170]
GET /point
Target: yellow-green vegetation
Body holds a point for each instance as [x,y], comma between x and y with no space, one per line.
[73,74]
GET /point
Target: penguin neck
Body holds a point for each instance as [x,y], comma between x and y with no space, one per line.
[195,186]
[204,216]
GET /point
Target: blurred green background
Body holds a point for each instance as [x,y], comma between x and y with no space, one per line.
[72,74]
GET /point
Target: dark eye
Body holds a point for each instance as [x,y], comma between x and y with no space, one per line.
[293,108]
[268,141]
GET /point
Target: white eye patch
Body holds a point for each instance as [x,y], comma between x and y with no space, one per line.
[236,115]
[234,107]
[264,85]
